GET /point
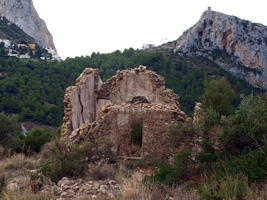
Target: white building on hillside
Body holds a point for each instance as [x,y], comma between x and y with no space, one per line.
[50,50]
[26,56]
[55,56]
[7,43]
[148,46]
[12,55]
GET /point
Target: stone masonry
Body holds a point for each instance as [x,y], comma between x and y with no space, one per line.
[94,110]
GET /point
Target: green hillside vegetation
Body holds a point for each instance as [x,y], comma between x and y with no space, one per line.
[12,32]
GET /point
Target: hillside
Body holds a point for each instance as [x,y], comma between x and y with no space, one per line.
[35,90]
[12,32]
[25,16]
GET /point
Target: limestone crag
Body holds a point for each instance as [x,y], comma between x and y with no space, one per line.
[96,110]
[244,40]
[25,16]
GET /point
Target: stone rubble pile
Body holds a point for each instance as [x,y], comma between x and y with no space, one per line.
[68,188]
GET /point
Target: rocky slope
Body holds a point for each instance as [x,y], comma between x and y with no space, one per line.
[14,33]
[25,16]
[217,34]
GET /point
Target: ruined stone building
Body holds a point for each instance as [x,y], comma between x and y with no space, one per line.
[130,98]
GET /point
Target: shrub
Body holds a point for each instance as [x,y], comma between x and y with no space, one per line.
[211,117]
[217,96]
[174,174]
[181,132]
[207,157]
[248,128]
[71,160]
[36,138]
[252,164]
[9,126]
[67,161]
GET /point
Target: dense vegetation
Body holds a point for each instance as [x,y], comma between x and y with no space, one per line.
[35,90]
[11,137]
[232,153]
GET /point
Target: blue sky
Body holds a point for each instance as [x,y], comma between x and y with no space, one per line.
[81,27]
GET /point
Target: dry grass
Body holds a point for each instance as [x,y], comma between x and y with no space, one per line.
[257,193]
[18,162]
[134,189]
[186,195]
[24,195]
[103,172]
[16,170]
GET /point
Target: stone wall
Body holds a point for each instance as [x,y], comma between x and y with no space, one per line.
[117,123]
[95,110]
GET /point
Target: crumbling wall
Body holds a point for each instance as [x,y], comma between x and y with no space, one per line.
[117,122]
[127,84]
[86,98]
[95,110]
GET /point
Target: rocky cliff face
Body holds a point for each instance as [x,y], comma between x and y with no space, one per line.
[244,41]
[23,14]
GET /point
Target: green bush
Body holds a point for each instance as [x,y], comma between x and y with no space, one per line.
[71,160]
[248,128]
[174,174]
[207,157]
[252,164]
[217,96]
[182,131]
[67,161]
[36,138]
[9,125]
[211,118]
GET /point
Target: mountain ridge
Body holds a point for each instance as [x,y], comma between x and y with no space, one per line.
[25,16]
[245,42]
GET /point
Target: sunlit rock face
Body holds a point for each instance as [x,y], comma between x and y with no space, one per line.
[242,39]
[24,15]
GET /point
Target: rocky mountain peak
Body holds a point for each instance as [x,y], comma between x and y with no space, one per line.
[245,41]
[24,15]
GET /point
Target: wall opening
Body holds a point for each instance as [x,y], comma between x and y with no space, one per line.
[137,135]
